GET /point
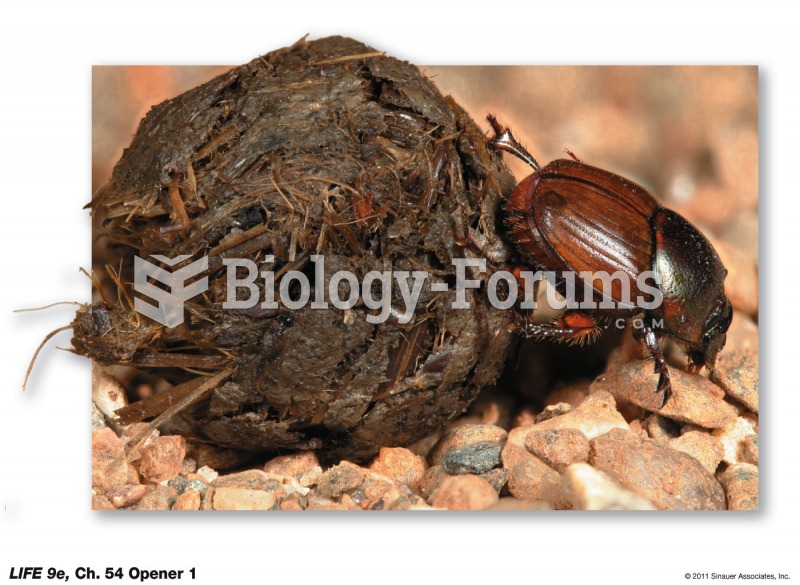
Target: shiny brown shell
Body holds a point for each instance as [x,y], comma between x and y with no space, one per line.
[571,216]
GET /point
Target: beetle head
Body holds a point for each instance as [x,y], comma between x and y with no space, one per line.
[695,310]
[704,352]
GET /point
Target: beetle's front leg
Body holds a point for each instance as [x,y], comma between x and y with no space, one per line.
[573,327]
[504,140]
[664,383]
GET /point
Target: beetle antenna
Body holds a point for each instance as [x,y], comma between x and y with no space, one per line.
[504,140]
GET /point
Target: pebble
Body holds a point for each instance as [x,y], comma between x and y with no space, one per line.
[126,495]
[552,411]
[108,460]
[100,502]
[736,372]
[98,419]
[311,477]
[107,393]
[587,488]
[292,502]
[252,479]
[400,465]
[476,458]
[163,458]
[529,478]
[347,502]
[431,480]
[217,458]
[661,429]
[207,473]
[160,497]
[422,506]
[375,494]
[734,436]
[513,504]
[192,482]
[188,466]
[707,449]
[230,498]
[207,501]
[637,427]
[671,480]
[750,449]
[181,483]
[595,416]
[318,503]
[464,492]
[463,437]
[559,448]
[292,486]
[518,435]
[393,497]
[339,479]
[741,486]
[497,478]
[694,399]
[106,446]
[133,475]
[295,464]
[188,500]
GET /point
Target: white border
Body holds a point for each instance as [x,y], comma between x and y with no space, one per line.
[48,49]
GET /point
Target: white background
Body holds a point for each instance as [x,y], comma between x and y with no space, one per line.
[48,49]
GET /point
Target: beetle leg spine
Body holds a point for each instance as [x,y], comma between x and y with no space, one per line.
[504,140]
[560,330]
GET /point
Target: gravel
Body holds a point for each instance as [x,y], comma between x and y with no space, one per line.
[588,457]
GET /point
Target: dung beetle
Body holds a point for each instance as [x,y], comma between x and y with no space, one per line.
[571,217]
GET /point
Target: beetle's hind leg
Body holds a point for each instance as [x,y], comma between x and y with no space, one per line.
[573,327]
[504,140]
